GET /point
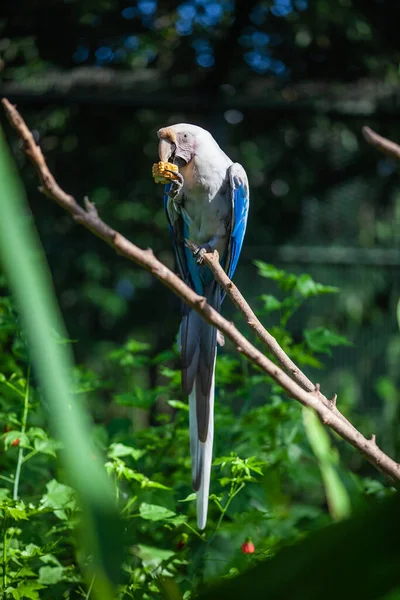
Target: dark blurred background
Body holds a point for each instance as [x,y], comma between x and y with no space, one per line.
[285,87]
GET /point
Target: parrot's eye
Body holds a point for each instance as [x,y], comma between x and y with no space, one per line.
[185,136]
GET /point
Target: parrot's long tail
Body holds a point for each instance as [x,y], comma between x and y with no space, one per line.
[199,341]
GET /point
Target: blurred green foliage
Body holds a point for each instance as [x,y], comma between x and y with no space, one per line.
[22,261]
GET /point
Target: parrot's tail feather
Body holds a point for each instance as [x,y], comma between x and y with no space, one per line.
[201,453]
[194,441]
[199,350]
[191,327]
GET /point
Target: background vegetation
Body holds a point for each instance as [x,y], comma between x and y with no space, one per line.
[285,87]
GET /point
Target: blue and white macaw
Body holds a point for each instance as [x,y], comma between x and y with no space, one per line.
[209,206]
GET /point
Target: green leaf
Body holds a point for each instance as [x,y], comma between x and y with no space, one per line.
[255,464]
[322,340]
[153,512]
[149,483]
[37,432]
[12,436]
[135,346]
[153,557]
[302,284]
[179,404]
[271,272]
[398,313]
[50,575]
[189,498]
[60,498]
[118,467]
[26,589]
[4,494]
[224,481]
[307,287]
[178,520]
[31,550]
[336,494]
[174,375]
[117,450]
[270,303]
[48,446]
[223,460]
[17,512]
[50,559]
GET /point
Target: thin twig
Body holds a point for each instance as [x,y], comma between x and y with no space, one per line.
[90,219]
[90,588]
[381,143]
[23,430]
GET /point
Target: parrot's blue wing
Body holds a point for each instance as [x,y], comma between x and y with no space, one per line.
[176,229]
[189,270]
[240,209]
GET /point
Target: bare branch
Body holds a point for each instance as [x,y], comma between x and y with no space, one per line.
[90,219]
[381,143]
[211,259]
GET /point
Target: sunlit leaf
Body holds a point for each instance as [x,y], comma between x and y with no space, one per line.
[336,493]
[322,340]
[152,556]
[117,450]
[179,404]
[153,512]
[60,498]
[50,575]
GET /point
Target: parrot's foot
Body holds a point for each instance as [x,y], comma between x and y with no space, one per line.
[176,185]
[199,254]
[199,251]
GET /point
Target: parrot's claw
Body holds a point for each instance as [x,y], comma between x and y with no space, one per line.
[176,185]
[200,252]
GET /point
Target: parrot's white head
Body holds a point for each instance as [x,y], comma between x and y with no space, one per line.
[180,143]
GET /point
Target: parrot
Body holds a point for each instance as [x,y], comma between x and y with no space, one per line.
[207,202]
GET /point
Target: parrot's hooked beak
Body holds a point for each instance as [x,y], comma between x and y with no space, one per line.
[169,150]
[167,144]
[166,149]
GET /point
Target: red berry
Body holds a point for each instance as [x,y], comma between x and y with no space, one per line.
[15,442]
[182,542]
[248,547]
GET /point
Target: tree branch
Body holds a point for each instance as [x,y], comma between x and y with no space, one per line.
[381,143]
[211,259]
[312,398]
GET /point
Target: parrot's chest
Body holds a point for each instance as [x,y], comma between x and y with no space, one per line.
[206,215]
[205,204]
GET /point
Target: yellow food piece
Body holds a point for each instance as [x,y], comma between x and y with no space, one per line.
[161,172]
